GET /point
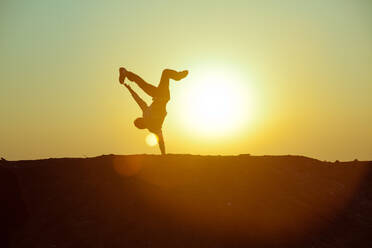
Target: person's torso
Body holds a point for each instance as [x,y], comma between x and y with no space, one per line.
[155,114]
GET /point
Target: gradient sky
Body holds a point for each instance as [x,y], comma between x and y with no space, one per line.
[307,66]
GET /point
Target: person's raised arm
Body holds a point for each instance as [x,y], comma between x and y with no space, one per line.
[136,97]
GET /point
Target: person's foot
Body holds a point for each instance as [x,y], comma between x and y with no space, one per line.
[182,74]
[122,73]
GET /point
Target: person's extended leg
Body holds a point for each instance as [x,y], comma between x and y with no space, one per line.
[151,90]
[139,101]
[163,87]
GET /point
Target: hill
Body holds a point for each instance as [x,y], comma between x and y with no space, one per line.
[188,201]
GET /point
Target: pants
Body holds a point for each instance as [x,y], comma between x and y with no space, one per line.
[162,91]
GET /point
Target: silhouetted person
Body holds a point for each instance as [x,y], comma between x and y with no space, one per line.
[152,116]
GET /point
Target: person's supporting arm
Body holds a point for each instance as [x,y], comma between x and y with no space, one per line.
[161,142]
[136,97]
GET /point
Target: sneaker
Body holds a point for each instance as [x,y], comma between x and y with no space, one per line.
[181,75]
[122,73]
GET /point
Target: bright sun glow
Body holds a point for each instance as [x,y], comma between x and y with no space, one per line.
[217,104]
[151,139]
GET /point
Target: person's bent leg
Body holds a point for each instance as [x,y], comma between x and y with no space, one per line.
[163,87]
[146,87]
[175,75]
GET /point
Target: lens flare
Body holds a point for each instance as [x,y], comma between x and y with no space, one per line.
[151,139]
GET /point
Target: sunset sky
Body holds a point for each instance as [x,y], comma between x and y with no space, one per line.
[290,77]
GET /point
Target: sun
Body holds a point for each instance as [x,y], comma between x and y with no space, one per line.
[217,104]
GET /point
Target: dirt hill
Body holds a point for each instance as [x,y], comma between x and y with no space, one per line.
[189,201]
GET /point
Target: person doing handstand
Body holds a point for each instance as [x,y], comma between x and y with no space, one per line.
[152,116]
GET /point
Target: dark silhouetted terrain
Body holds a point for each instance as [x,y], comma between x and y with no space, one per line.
[189,201]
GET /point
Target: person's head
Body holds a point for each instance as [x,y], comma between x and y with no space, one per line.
[140,123]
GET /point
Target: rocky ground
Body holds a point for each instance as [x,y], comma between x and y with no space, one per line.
[187,201]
